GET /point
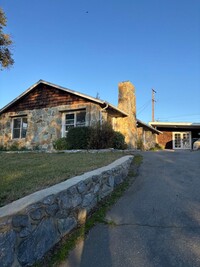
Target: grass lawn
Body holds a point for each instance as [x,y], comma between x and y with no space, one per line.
[25,173]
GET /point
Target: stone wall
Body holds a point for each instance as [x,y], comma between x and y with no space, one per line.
[44,125]
[147,137]
[31,226]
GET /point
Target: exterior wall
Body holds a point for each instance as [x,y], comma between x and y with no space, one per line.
[43,107]
[148,138]
[165,139]
[31,226]
[127,103]
[44,125]
[45,96]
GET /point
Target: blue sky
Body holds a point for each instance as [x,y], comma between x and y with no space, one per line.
[92,45]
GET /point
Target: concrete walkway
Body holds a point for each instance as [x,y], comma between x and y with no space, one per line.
[156,222]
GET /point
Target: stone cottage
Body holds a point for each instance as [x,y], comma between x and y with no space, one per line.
[45,112]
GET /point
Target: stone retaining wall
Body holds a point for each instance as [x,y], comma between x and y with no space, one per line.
[31,226]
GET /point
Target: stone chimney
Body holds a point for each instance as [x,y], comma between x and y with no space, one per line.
[127,103]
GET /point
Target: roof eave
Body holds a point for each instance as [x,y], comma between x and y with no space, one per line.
[55,86]
[20,96]
[175,124]
[116,109]
[95,100]
[149,127]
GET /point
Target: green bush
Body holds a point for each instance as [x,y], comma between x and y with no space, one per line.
[14,147]
[95,137]
[119,141]
[2,148]
[78,137]
[60,144]
[156,147]
[140,144]
[101,136]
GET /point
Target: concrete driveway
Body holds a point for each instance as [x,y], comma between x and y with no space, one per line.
[156,222]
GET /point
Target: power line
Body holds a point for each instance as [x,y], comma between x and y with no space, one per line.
[144,107]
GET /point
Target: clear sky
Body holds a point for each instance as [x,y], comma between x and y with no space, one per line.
[91,45]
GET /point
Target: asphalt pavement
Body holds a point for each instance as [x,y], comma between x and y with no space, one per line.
[156,222]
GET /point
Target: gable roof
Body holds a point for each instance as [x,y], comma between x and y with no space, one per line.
[95,100]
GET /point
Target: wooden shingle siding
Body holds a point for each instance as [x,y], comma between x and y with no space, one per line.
[44,96]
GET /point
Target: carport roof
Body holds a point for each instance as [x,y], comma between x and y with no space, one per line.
[175,125]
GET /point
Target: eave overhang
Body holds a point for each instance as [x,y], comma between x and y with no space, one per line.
[103,104]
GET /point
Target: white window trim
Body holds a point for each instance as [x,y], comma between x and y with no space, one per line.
[63,133]
[190,140]
[21,127]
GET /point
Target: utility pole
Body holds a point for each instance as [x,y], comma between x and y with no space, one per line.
[153,102]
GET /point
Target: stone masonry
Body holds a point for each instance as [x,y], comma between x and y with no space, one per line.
[31,226]
[44,107]
[126,102]
[44,125]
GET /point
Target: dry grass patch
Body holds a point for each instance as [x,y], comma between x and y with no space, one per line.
[25,173]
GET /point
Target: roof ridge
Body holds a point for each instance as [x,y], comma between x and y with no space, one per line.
[99,101]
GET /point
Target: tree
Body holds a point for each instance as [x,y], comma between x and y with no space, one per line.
[6,59]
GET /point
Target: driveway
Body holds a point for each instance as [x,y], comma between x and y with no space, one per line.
[155,223]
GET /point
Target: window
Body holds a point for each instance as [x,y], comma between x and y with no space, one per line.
[19,127]
[73,119]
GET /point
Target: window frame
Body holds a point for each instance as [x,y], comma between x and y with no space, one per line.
[21,128]
[74,112]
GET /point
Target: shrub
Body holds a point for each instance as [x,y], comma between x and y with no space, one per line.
[159,147]
[101,136]
[2,148]
[119,141]
[156,147]
[96,137]
[60,144]
[78,137]
[140,144]
[14,147]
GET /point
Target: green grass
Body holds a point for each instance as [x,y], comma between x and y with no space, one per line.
[61,251]
[25,173]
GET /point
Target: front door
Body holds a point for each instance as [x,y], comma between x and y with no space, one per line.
[182,140]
